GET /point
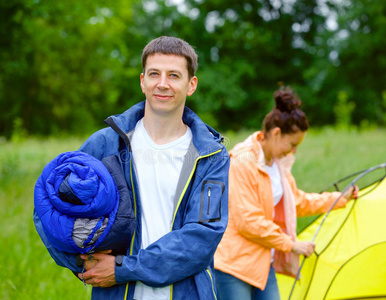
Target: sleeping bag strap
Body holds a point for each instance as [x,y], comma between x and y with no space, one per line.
[84,282]
[115,127]
[81,263]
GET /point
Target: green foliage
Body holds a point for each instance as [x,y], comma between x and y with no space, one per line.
[343,110]
[18,133]
[362,59]
[67,65]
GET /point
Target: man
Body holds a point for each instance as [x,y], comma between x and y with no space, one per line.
[177,173]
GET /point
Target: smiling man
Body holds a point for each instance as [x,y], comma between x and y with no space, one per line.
[177,172]
[166,82]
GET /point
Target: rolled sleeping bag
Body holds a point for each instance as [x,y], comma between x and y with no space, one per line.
[84,204]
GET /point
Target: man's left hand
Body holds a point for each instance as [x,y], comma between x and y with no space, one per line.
[100,271]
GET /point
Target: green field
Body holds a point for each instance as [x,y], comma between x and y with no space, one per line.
[28,272]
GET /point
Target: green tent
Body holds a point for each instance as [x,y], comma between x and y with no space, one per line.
[349,261]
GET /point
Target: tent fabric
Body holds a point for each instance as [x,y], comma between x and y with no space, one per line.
[349,261]
[78,198]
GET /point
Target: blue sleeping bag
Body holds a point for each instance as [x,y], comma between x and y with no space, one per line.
[84,204]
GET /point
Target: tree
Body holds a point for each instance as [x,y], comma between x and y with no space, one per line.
[65,64]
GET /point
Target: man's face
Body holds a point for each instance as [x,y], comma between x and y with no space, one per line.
[166,83]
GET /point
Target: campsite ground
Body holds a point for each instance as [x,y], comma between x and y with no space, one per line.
[28,272]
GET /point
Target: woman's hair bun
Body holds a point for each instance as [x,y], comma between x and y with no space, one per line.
[286,100]
[286,114]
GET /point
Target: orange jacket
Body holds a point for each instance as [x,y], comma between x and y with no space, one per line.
[245,249]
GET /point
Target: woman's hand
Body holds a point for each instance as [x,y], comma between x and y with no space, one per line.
[303,248]
[351,193]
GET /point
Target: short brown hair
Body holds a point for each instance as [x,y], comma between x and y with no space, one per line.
[171,45]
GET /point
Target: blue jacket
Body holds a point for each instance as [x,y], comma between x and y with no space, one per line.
[183,258]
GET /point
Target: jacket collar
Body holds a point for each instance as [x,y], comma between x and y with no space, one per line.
[205,139]
[251,149]
[258,149]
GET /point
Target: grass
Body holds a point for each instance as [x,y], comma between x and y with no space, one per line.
[28,272]
[26,269]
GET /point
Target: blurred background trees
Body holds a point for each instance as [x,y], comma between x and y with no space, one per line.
[67,65]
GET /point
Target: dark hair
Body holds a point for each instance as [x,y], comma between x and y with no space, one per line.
[286,114]
[171,45]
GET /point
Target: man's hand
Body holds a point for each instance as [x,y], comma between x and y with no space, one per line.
[100,270]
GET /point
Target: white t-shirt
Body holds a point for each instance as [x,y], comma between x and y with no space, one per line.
[277,188]
[158,169]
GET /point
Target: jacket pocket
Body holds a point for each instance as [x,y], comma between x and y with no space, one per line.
[210,203]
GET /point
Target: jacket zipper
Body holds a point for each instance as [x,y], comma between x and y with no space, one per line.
[135,212]
[125,138]
[211,280]
[135,205]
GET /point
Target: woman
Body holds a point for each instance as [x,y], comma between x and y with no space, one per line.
[263,205]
